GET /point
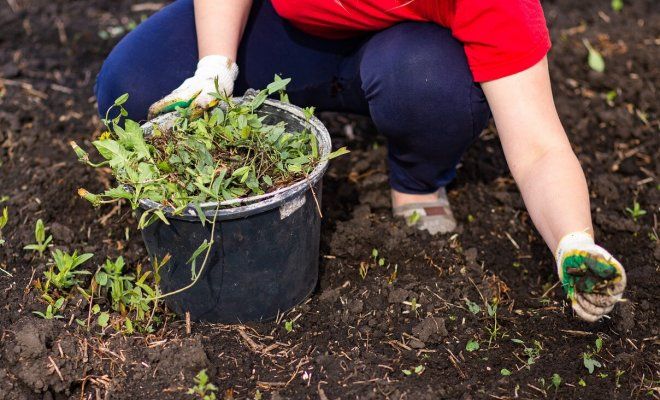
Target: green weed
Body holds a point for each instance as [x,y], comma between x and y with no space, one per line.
[64,271]
[203,388]
[636,211]
[4,218]
[51,310]
[41,239]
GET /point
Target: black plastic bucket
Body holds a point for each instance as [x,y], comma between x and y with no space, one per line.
[265,255]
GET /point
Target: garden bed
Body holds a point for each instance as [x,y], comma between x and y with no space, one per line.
[367,332]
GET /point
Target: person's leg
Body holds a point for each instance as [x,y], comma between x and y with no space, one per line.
[422,97]
[161,53]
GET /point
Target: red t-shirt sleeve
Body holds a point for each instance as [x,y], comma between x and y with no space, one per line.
[501,37]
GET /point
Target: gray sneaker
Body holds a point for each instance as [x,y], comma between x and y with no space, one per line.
[435,216]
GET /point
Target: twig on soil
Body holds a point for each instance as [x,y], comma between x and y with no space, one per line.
[52,362]
[478,291]
[550,290]
[6,272]
[251,343]
[576,333]
[25,86]
[188,327]
[454,361]
[104,219]
[27,287]
[512,241]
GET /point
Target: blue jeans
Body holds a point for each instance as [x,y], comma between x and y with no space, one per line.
[412,79]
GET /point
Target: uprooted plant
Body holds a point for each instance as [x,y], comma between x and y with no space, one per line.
[219,155]
[224,154]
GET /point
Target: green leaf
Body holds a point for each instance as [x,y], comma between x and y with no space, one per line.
[103,319]
[277,85]
[590,363]
[121,99]
[473,307]
[472,345]
[599,344]
[339,152]
[113,152]
[200,213]
[101,278]
[617,5]
[202,247]
[556,380]
[505,372]
[595,60]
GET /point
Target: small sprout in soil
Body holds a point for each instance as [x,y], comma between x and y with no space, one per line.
[494,330]
[3,222]
[413,305]
[418,370]
[636,212]
[203,388]
[595,60]
[377,261]
[611,96]
[258,395]
[473,307]
[582,383]
[617,5]
[40,237]
[516,264]
[602,375]
[472,345]
[589,362]
[505,372]
[413,218]
[599,344]
[51,310]
[617,376]
[64,271]
[363,270]
[471,218]
[393,275]
[288,326]
[556,380]
[532,353]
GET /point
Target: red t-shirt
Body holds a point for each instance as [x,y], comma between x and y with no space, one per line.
[501,37]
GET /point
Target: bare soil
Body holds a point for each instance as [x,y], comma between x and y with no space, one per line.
[355,336]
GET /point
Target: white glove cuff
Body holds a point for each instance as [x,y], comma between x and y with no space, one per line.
[218,66]
[572,241]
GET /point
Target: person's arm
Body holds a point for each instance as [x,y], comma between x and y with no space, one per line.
[219,25]
[554,188]
[538,153]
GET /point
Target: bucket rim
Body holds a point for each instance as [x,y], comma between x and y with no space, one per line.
[246,206]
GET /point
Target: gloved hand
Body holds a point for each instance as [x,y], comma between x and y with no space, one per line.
[195,90]
[591,277]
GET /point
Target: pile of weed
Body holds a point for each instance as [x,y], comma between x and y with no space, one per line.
[224,153]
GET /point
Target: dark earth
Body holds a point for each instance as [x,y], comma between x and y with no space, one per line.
[355,337]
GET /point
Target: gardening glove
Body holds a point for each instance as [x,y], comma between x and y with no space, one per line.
[195,90]
[591,277]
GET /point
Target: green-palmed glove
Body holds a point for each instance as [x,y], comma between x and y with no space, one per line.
[195,90]
[593,280]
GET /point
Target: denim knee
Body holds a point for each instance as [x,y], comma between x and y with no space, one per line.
[150,61]
[422,97]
